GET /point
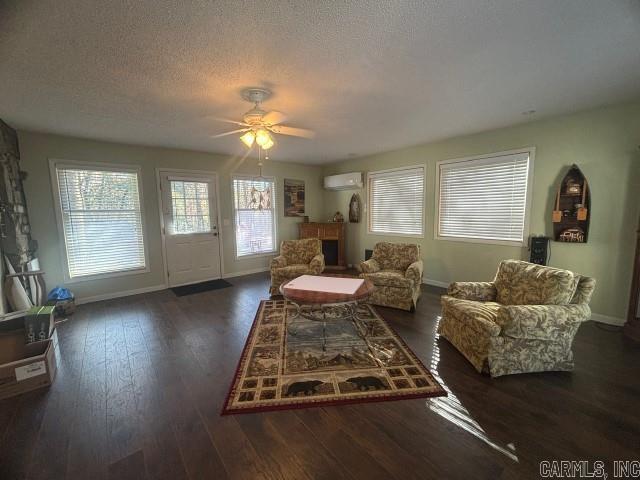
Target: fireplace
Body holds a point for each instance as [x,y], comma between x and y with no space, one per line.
[332,237]
[330,252]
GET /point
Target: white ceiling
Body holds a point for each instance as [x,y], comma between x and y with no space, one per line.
[367,76]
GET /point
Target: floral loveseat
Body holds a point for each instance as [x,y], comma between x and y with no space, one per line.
[297,257]
[523,321]
[396,272]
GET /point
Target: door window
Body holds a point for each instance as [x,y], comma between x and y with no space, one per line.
[190,207]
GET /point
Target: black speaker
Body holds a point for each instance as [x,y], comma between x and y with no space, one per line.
[368,254]
[539,247]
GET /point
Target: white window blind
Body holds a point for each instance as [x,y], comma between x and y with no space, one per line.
[485,198]
[101,220]
[396,201]
[255,222]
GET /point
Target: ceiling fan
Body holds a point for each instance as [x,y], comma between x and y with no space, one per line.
[258,125]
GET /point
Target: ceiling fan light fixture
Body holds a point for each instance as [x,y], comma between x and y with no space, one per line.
[248,138]
[268,144]
[259,126]
[263,137]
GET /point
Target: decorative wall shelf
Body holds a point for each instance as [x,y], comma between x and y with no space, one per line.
[572,208]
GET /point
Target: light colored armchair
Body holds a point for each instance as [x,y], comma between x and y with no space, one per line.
[297,257]
[523,321]
[396,272]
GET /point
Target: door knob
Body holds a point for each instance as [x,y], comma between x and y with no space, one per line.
[215,234]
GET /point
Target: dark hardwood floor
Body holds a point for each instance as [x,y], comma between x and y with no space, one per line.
[142,381]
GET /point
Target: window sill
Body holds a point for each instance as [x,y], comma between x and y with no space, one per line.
[210,232]
[101,276]
[485,241]
[407,235]
[257,255]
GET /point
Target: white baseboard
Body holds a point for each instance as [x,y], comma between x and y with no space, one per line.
[245,272]
[155,288]
[598,317]
[109,296]
[435,283]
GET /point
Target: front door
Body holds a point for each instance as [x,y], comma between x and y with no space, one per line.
[191,240]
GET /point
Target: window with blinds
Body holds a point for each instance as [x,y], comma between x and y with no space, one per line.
[396,202]
[485,199]
[255,218]
[101,220]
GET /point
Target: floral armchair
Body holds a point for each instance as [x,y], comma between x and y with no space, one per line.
[297,257]
[396,272]
[523,321]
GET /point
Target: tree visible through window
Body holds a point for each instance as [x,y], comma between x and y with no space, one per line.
[101,220]
[190,204]
[254,208]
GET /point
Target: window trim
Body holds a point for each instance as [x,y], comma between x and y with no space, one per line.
[54,164]
[276,245]
[528,199]
[423,166]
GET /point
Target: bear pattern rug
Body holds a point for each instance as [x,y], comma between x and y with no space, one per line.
[292,362]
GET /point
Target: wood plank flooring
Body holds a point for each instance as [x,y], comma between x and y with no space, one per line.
[142,381]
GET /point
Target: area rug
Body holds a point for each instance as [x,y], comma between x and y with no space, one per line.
[292,362]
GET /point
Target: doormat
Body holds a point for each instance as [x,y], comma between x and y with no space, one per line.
[292,362]
[200,287]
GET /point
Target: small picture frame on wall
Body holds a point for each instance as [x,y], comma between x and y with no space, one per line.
[293,198]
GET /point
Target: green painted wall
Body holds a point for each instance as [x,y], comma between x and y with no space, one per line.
[603,142]
[37,148]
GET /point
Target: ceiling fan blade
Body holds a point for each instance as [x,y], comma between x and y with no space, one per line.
[230,133]
[274,117]
[295,132]
[226,120]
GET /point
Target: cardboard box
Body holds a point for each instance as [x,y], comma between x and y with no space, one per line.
[39,323]
[26,366]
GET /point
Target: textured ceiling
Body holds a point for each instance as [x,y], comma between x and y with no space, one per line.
[367,76]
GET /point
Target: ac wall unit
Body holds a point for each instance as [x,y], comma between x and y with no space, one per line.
[344,181]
